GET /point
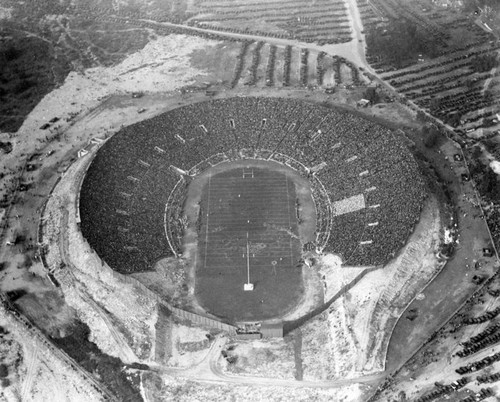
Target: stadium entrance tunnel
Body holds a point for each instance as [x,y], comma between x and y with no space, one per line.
[246,214]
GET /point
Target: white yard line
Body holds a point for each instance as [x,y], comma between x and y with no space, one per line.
[206,224]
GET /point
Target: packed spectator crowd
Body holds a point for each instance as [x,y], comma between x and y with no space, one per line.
[124,194]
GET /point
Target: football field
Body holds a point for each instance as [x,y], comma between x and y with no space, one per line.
[249,233]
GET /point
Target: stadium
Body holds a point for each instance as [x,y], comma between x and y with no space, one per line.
[259,186]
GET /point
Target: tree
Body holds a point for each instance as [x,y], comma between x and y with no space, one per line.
[372,95]
[434,104]
[430,135]
[489,186]
[6,146]
[454,119]
[4,371]
[399,42]
[421,116]
[11,53]
[484,62]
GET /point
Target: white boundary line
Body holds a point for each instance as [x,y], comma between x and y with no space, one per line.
[289,223]
[206,223]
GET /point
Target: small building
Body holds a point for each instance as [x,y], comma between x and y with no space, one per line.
[272,329]
[91,144]
[487,252]
[82,152]
[363,103]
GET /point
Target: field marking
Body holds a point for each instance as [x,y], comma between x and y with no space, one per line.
[248,233]
[248,174]
[206,227]
[280,220]
[289,223]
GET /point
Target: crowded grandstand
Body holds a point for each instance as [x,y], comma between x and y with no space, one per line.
[371,189]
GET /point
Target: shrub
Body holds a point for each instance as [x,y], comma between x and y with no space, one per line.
[11,53]
[431,136]
[24,85]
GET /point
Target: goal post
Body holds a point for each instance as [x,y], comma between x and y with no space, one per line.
[247,287]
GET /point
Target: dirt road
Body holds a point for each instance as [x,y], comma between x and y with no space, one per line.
[209,371]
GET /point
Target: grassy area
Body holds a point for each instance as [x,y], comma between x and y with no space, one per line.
[29,70]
